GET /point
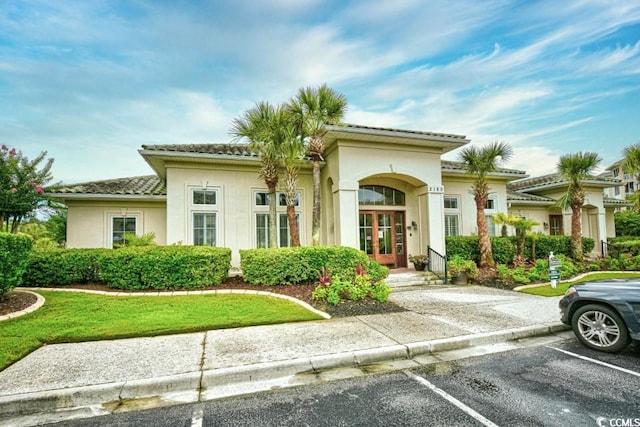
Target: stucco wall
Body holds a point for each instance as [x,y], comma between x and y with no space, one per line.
[461,187]
[236,186]
[89,221]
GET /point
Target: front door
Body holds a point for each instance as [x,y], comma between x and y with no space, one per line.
[555,225]
[382,237]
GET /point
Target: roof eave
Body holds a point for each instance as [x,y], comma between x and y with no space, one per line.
[92,196]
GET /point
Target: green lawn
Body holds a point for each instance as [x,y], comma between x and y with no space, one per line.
[74,317]
[546,290]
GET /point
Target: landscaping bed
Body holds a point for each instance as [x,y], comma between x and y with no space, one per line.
[301,292]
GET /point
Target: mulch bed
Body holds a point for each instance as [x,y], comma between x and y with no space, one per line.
[16,301]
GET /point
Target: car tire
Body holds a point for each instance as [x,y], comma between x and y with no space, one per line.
[600,328]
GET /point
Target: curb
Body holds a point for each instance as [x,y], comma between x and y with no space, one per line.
[36,305]
[224,382]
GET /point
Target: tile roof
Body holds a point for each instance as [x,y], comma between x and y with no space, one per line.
[149,185]
[416,132]
[554,178]
[517,196]
[240,150]
[448,165]
[617,202]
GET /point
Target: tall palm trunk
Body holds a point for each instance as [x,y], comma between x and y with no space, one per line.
[273,223]
[576,232]
[486,254]
[291,181]
[315,223]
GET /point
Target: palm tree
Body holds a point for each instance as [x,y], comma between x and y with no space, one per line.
[522,226]
[631,162]
[480,162]
[291,153]
[313,109]
[256,125]
[575,168]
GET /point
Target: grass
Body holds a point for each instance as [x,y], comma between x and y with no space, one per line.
[74,317]
[546,290]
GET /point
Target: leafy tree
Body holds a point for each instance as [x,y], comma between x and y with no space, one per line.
[627,223]
[257,124]
[314,109]
[575,168]
[479,163]
[21,186]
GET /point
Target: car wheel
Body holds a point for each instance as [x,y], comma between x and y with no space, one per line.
[600,328]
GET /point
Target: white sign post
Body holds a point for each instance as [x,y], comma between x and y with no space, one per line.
[554,272]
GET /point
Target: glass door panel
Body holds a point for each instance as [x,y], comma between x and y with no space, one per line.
[366,233]
[385,246]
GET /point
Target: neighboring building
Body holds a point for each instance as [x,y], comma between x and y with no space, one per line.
[385,191]
[629,183]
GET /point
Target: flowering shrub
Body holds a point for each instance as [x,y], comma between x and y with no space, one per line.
[21,185]
[418,259]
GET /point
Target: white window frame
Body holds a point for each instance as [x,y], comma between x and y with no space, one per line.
[124,213]
[453,212]
[281,215]
[199,208]
[446,227]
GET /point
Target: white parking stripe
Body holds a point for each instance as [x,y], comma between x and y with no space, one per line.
[451,399]
[588,359]
[196,418]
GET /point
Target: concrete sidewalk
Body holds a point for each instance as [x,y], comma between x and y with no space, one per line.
[101,377]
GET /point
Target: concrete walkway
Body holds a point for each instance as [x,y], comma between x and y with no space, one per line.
[106,376]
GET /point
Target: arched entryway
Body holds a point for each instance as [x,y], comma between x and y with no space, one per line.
[382,220]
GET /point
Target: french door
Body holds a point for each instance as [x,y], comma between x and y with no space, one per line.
[382,237]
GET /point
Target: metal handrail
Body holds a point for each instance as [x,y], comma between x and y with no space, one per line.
[438,264]
[607,247]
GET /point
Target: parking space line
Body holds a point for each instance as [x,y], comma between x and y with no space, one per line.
[196,417]
[588,359]
[451,399]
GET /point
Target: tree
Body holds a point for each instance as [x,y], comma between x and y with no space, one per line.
[522,226]
[575,168]
[479,163]
[21,186]
[631,159]
[314,109]
[257,125]
[292,153]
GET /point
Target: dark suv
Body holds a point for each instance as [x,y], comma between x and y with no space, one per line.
[604,315]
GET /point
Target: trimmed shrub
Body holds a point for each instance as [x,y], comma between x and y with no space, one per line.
[165,267]
[14,259]
[286,266]
[504,248]
[60,267]
[361,287]
[152,267]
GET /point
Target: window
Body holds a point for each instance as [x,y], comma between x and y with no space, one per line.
[451,225]
[380,195]
[261,208]
[490,225]
[119,226]
[450,202]
[204,197]
[204,216]
[204,229]
[491,204]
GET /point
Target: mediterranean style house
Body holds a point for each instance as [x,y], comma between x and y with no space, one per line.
[385,191]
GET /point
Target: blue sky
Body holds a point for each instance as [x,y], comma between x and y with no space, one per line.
[91,81]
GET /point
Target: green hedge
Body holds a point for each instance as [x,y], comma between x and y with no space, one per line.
[60,267]
[154,267]
[286,266]
[504,248]
[14,258]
